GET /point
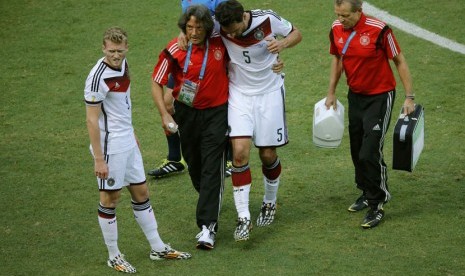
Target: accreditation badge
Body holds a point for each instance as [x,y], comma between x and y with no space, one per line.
[188,91]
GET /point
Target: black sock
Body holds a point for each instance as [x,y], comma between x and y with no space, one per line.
[174,147]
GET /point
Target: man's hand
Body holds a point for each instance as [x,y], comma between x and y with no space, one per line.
[331,101]
[182,41]
[275,46]
[101,168]
[278,66]
[409,106]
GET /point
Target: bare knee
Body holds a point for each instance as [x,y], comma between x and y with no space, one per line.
[139,193]
[268,155]
[241,151]
[110,199]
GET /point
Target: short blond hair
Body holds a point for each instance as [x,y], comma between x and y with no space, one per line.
[116,35]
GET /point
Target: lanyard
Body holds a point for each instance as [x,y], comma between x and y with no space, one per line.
[344,50]
[188,58]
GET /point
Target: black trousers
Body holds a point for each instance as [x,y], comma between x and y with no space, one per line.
[204,138]
[369,118]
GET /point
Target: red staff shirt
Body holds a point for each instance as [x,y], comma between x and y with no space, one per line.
[366,61]
[213,88]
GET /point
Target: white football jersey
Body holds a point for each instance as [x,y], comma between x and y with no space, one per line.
[111,88]
[251,62]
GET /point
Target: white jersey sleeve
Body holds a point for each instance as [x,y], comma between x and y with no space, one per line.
[95,91]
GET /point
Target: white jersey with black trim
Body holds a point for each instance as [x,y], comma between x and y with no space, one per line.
[251,62]
[111,88]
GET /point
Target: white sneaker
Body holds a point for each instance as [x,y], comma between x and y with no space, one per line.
[119,263]
[244,225]
[206,238]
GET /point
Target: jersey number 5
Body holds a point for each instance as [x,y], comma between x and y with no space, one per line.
[246,56]
[280,134]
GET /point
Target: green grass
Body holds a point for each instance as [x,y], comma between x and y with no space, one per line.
[48,197]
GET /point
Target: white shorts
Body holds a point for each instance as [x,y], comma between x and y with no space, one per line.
[124,169]
[261,117]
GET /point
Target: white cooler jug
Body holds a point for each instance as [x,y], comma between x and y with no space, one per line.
[328,125]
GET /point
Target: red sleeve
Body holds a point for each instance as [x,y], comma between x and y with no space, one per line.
[332,46]
[390,44]
[162,68]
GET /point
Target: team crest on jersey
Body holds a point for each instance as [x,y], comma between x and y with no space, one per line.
[111,182]
[340,41]
[364,40]
[259,34]
[218,55]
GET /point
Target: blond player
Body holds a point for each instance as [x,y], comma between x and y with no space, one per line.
[117,158]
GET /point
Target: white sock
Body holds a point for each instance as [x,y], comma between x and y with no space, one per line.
[110,235]
[241,199]
[271,190]
[143,213]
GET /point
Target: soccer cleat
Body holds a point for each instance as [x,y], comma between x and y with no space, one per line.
[266,216]
[360,204]
[206,238]
[120,264]
[169,254]
[228,170]
[243,228]
[372,218]
[168,167]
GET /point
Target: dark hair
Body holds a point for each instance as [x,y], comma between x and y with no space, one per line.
[201,14]
[229,12]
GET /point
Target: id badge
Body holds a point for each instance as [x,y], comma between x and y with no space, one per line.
[188,91]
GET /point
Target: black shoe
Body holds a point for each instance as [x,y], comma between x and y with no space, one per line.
[372,218]
[168,167]
[360,204]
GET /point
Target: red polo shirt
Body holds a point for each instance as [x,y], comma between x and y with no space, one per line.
[366,61]
[213,88]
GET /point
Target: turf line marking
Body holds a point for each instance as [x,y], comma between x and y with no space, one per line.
[414,29]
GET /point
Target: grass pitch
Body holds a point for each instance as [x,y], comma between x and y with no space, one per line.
[48,198]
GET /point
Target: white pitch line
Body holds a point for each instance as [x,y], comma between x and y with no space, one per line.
[413,29]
